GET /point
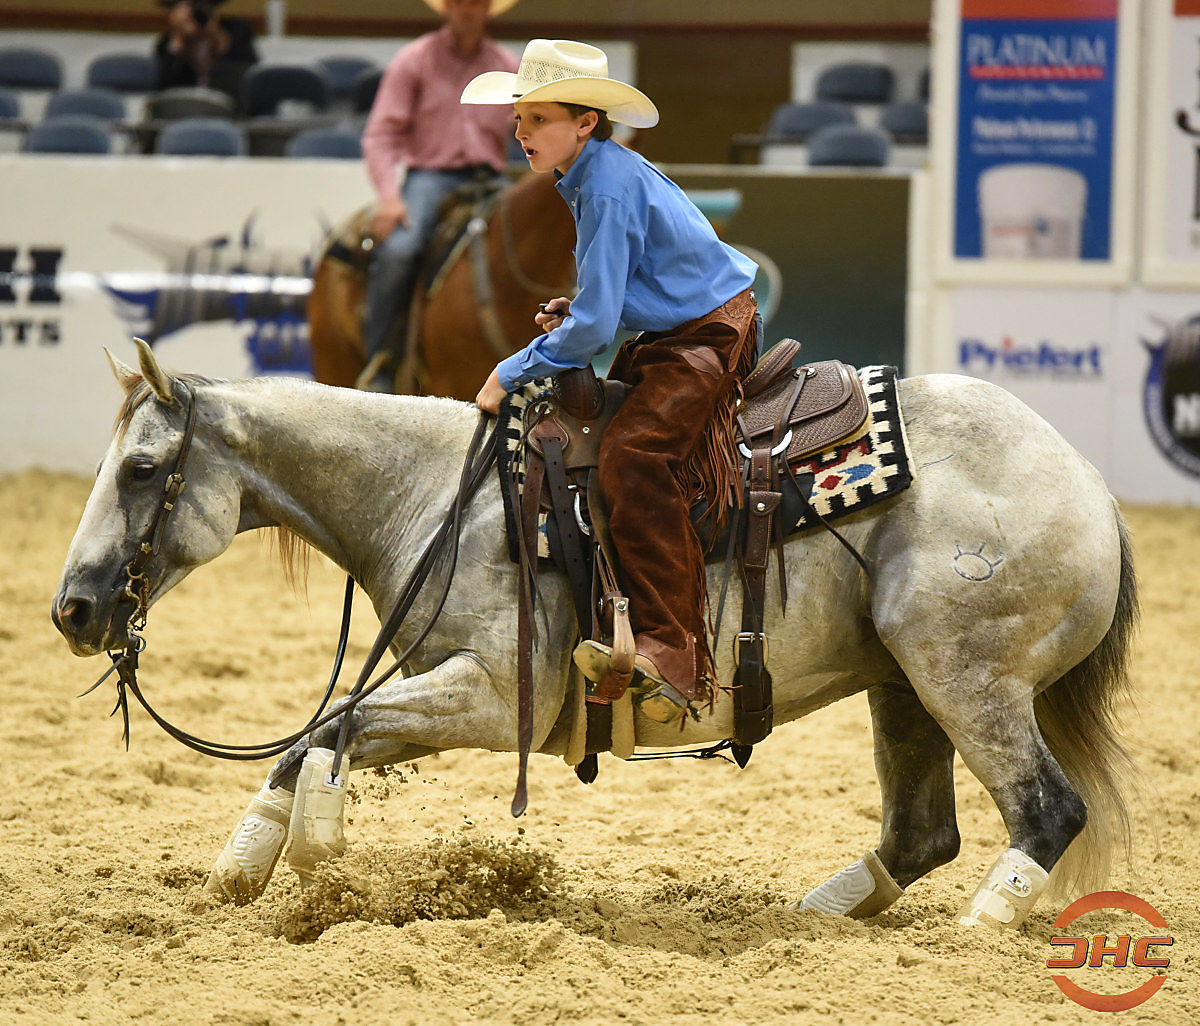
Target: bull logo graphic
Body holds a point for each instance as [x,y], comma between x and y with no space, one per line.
[1171,397]
[215,280]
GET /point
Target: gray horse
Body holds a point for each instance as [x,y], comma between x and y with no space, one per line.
[996,621]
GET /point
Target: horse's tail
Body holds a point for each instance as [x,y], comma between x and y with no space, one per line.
[1078,717]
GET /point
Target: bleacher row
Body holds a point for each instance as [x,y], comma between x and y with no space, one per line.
[317,108]
[282,108]
[853,119]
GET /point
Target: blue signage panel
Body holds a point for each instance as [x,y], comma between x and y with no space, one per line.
[1036,102]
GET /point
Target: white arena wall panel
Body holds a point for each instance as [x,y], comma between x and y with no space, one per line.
[94,251]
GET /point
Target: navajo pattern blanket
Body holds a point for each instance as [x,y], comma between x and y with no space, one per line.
[873,465]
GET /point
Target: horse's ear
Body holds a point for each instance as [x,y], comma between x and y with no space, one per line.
[126,376]
[157,378]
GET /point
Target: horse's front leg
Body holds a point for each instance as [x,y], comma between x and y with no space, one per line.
[454,705]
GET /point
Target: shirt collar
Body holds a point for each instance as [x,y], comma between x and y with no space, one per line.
[571,181]
[445,38]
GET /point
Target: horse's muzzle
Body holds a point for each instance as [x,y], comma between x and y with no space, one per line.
[77,615]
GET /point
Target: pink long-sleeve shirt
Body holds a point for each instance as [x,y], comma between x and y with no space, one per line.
[418,121]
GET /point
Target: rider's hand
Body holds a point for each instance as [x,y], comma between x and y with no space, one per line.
[389,213]
[554,314]
[491,394]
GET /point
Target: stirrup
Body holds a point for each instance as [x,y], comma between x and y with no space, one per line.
[658,699]
[663,702]
[379,365]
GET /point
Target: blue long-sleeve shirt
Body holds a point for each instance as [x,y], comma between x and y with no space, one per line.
[647,260]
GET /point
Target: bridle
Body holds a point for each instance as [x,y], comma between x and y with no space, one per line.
[137,585]
[479,459]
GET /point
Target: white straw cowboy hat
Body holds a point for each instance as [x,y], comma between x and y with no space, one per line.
[498,6]
[562,71]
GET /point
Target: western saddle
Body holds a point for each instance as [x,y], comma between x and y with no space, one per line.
[786,415]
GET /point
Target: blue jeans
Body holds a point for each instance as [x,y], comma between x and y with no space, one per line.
[396,262]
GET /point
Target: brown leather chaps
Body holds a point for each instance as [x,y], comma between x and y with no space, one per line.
[671,442]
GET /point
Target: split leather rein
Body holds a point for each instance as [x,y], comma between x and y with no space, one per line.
[481,455]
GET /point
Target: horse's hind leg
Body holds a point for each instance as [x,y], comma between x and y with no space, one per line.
[990,720]
[914,760]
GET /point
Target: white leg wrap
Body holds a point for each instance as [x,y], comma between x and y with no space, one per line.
[248,859]
[316,823]
[862,889]
[1011,888]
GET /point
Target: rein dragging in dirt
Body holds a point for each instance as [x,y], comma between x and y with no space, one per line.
[477,464]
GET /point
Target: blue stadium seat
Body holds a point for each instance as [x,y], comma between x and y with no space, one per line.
[365,88]
[24,67]
[337,143]
[856,82]
[265,86]
[847,146]
[342,72]
[10,106]
[923,85]
[907,121]
[201,137]
[76,133]
[124,72]
[94,102]
[797,120]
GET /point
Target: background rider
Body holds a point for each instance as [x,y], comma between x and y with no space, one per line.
[417,128]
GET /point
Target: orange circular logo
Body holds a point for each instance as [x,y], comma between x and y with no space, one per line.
[1092,951]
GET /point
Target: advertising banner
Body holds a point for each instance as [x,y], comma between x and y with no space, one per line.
[209,260]
[1052,348]
[1181,213]
[1035,133]
[1171,153]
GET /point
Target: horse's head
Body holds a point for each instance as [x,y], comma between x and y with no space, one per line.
[130,497]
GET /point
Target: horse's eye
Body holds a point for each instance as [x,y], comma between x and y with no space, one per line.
[142,471]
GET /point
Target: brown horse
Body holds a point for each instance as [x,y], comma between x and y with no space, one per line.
[474,313]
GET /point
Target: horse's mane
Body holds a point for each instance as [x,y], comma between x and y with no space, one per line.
[294,552]
[140,392]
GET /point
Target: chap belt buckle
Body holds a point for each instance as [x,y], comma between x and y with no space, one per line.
[748,638]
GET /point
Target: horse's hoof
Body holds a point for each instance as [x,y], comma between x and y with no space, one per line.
[245,864]
[863,889]
[1011,888]
[316,823]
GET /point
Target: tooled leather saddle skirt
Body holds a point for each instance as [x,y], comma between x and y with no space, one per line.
[792,412]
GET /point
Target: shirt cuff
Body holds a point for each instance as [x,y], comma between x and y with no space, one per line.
[509,372]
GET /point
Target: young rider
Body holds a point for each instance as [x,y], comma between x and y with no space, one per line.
[648,260]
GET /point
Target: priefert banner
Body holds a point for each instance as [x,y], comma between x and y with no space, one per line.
[1115,371]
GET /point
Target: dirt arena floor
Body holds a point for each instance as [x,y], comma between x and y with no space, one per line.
[657,895]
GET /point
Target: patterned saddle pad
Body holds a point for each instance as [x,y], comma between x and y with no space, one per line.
[873,465]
